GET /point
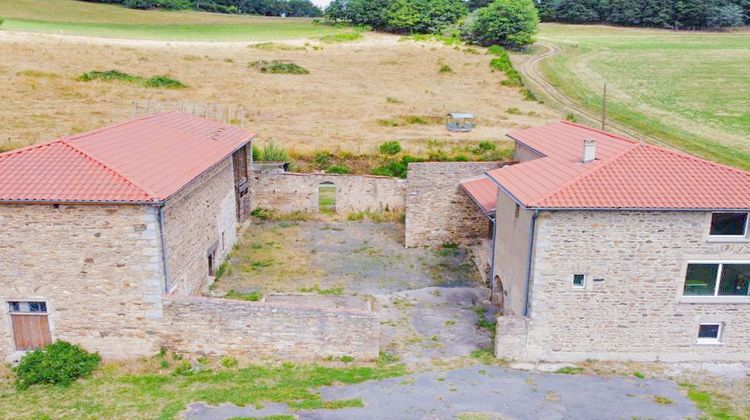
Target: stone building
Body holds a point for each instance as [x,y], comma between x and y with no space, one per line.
[607,248]
[98,227]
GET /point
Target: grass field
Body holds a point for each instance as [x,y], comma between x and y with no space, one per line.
[691,90]
[74,17]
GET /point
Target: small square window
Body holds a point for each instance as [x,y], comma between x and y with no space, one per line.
[709,333]
[728,224]
[579,280]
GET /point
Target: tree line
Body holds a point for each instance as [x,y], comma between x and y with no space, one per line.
[296,8]
[672,14]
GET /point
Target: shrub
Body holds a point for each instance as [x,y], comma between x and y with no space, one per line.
[322,159]
[229,362]
[165,82]
[273,152]
[338,169]
[486,146]
[183,369]
[278,67]
[256,153]
[1,21]
[108,75]
[512,23]
[390,148]
[60,363]
[262,214]
[445,69]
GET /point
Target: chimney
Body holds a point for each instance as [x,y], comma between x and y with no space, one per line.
[589,150]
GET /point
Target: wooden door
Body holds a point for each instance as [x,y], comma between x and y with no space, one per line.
[31,331]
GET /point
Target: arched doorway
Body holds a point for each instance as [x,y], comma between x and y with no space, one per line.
[327,197]
[498,294]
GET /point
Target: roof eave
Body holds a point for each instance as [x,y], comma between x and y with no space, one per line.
[101,202]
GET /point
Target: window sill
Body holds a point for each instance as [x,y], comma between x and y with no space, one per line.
[728,239]
[715,299]
[708,343]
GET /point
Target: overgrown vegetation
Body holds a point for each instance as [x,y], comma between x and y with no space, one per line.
[275,216]
[502,63]
[278,67]
[384,216]
[158,81]
[59,363]
[161,387]
[712,404]
[339,38]
[250,297]
[272,152]
[333,291]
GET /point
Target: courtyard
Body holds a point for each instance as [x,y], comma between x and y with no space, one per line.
[431,302]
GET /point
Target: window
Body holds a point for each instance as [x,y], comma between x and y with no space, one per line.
[27,307]
[717,279]
[709,333]
[579,280]
[728,224]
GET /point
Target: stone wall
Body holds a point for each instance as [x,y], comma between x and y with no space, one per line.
[288,191]
[201,216]
[200,325]
[438,210]
[632,306]
[97,267]
[512,252]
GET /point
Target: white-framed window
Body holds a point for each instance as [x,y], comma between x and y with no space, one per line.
[709,333]
[728,225]
[20,307]
[717,278]
[579,281]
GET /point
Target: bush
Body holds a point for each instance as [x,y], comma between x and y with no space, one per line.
[322,159]
[60,363]
[165,82]
[278,67]
[272,152]
[512,23]
[338,169]
[390,148]
[445,69]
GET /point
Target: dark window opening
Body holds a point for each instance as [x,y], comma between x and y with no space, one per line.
[27,307]
[579,280]
[729,224]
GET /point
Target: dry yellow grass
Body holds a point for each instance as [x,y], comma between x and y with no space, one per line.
[339,105]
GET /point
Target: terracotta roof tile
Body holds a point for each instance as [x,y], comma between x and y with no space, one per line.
[626,174]
[143,160]
[483,192]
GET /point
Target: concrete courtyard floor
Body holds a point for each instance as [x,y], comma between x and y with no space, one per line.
[429,301]
[487,392]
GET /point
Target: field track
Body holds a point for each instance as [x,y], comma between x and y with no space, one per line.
[536,82]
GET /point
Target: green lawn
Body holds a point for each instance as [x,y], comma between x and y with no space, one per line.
[95,19]
[691,90]
[145,389]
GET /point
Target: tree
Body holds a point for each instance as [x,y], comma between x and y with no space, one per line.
[577,11]
[512,23]
[728,15]
[424,16]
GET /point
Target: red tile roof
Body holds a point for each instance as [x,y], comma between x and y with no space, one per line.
[143,160]
[626,174]
[483,191]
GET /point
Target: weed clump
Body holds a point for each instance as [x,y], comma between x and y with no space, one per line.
[338,38]
[338,169]
[158,81]
[273,152]
[250,297]
[278,67]
[445,69]
[60,363]
[390,148]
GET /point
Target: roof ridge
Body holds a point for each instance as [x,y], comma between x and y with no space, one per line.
[596,130]
[117,173]
[586,173]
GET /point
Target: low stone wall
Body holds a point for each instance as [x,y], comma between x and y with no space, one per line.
[289,191]
[213,326]
[438,210]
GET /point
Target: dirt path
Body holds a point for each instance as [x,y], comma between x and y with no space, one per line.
[536,81]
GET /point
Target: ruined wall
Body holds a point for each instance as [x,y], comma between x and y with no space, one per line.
[438,210]
[195,219]
[200,325]
[97,267]
[287,191]
[632,306]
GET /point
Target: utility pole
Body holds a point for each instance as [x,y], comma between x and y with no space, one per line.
[604,106]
